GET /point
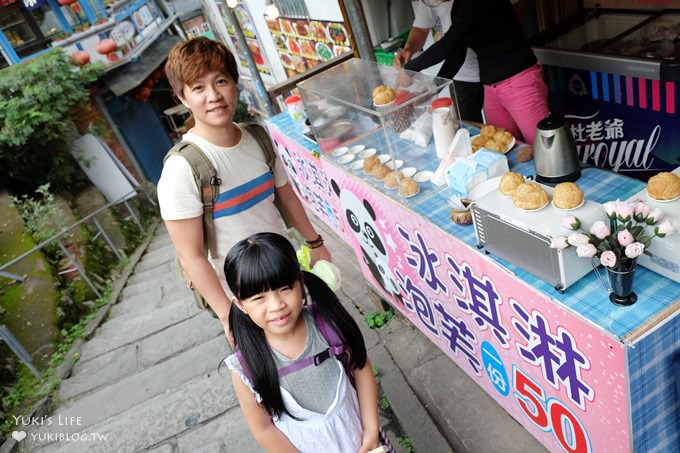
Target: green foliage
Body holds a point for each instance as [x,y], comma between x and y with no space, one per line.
[36,98]
[406,443]
[384,404]
[376,320]
[27,389]
[42,217]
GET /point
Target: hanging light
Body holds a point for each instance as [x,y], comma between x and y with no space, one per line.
[270,9]
[232,3]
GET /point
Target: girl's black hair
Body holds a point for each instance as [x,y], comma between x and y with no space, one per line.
[264,262]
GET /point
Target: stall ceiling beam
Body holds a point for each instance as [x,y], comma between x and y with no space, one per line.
[357,22]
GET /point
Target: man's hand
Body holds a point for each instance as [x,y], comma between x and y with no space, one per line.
[403,57]
[320,253]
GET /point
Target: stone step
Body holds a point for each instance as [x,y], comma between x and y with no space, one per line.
[138,304]
[169,341]
[165,272]
[155,420]
[160,240]
[189,380]
[156,257]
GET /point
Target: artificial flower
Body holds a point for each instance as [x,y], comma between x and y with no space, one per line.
[608,258]
[664,229]
[634,250]
[570,222]
[625,237]
[559,243]
[577,239]
[587,250]
[618,244]
[600,230]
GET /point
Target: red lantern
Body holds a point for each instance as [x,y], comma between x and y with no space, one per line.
[105,46]
[81,57]
[66,2]
[149,83]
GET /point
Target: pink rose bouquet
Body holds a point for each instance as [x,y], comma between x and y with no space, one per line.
[632,226]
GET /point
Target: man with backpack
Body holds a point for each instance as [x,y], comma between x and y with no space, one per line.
[248,191]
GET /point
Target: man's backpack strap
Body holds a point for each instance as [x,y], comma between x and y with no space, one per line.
[262,138]
[208,184]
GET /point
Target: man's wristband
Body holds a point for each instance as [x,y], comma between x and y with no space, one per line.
[315,243]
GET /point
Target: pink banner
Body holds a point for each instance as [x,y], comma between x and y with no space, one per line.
[559,376]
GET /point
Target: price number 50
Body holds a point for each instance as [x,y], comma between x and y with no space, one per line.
[550,415]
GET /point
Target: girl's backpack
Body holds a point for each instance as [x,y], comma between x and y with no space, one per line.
[336,349]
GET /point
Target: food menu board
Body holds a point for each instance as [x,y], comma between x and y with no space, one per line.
[303,44]
[254,46]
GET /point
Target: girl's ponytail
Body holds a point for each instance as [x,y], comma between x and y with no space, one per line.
[332,311]
[250,340]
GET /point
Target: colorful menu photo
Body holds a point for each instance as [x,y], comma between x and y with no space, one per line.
[303,44]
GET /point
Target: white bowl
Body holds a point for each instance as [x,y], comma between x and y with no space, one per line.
[408,171]
[384,158]
[340,151]
[395,164]
[357,164]
[347,158]
[422,176]
[368,153]
[357,149]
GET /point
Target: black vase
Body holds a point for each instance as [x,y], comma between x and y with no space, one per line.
[621,284]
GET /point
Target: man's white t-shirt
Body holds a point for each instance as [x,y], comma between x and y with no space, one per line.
[245,205]
[439,18]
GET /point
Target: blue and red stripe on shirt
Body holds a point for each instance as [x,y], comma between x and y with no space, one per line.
[245,196]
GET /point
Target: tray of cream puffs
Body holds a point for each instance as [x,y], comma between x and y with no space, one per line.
[382,171]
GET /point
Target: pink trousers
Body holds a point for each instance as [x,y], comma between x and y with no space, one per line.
[518,103]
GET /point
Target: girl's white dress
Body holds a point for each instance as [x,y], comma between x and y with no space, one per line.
[337,431]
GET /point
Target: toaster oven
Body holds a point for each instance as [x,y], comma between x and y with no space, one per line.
[523,238]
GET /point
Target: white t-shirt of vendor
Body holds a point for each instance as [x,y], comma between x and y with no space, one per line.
[439,18]
[245,205]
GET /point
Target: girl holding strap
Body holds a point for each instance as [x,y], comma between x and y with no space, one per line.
[296,390]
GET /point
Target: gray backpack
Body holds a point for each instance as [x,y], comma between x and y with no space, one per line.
[208,183]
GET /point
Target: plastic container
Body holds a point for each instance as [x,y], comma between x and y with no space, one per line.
[296,109]
[443,125]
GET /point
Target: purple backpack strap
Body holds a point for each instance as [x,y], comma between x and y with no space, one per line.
[336,348]
[332,337]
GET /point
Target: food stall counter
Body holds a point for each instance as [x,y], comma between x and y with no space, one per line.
[570,366]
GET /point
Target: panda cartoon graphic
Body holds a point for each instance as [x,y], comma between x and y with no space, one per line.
[284,155]
[361,219]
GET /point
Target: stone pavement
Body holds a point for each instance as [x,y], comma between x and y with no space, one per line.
[148,380]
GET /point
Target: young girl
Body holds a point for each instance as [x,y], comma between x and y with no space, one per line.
[315,407]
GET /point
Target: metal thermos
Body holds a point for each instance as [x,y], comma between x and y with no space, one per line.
[555,154]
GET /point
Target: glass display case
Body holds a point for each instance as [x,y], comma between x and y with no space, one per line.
[352,130]
[618,70]
[656,39]
[596,32]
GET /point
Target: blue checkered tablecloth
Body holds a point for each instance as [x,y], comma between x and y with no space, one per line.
[586,297]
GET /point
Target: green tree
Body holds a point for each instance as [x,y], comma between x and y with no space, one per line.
[36,98]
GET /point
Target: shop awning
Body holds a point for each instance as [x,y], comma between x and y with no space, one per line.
[129,76]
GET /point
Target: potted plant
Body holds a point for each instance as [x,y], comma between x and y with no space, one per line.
[632,226]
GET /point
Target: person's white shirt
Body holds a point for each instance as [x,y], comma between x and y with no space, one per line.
[439,18]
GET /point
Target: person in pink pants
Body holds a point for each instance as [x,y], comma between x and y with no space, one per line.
[518,103]
[515,95]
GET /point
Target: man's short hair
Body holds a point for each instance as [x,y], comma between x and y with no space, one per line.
[192,59]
